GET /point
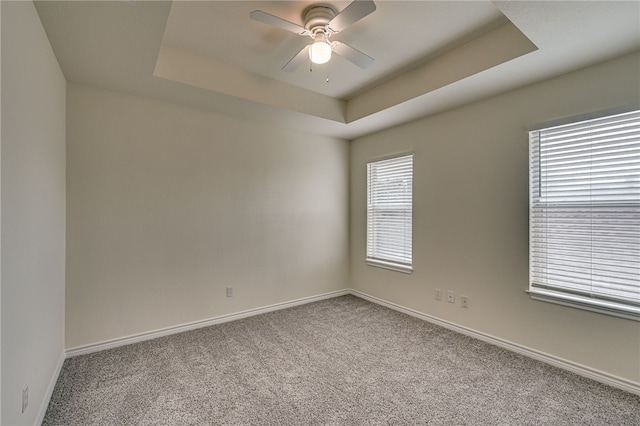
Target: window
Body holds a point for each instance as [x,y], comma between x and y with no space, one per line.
[584,215]
[389,213]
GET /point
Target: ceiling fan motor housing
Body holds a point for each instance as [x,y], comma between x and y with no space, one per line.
[318,17]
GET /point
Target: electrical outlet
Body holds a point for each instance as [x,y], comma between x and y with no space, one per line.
[25,398]
[229,291]
[438,294]
[464,301]
[450,297]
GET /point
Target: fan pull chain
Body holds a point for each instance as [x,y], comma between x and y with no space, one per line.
[311,70]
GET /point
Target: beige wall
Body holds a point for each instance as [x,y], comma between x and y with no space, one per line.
[168,205]
[471,218]
[33,213]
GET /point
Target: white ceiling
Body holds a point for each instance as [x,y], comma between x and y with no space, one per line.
[211,29]
[430,56]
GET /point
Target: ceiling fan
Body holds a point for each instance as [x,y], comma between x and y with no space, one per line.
[320,23]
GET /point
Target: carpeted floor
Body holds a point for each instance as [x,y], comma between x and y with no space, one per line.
[341,361]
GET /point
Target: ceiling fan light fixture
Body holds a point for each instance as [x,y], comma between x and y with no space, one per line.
[320,22]
[320,50]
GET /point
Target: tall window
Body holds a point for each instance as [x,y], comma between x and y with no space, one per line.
[584,214]
[389,213]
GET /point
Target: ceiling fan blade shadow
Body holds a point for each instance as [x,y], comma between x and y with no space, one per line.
[301,57]
[351,14]
[267,18]
[352,54]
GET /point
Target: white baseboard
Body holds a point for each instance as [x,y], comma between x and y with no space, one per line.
[127,340]
[582,370]
[49,392]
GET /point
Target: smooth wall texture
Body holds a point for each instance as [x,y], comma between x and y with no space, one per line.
[33,213]
[167,206]
[471,218]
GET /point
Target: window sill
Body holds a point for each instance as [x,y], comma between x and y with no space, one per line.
[406,269]
[585,303]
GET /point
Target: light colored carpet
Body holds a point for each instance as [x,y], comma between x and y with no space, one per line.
[342,361]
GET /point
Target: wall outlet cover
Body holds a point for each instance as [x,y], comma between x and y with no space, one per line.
[450,297]
[464,301]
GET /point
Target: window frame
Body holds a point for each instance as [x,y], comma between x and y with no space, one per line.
[597,301]
[373,257]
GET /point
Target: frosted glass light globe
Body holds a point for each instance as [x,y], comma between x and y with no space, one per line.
[320,51]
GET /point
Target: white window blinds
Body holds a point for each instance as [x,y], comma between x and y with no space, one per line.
[389,213]
[585,214]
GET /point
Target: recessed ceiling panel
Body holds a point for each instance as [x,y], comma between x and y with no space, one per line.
[396,35]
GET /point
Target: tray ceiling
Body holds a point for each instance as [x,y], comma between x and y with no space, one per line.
[429,55]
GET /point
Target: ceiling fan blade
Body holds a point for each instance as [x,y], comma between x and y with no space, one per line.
[356,10]
[298,60]
[352,54]
[267,18]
